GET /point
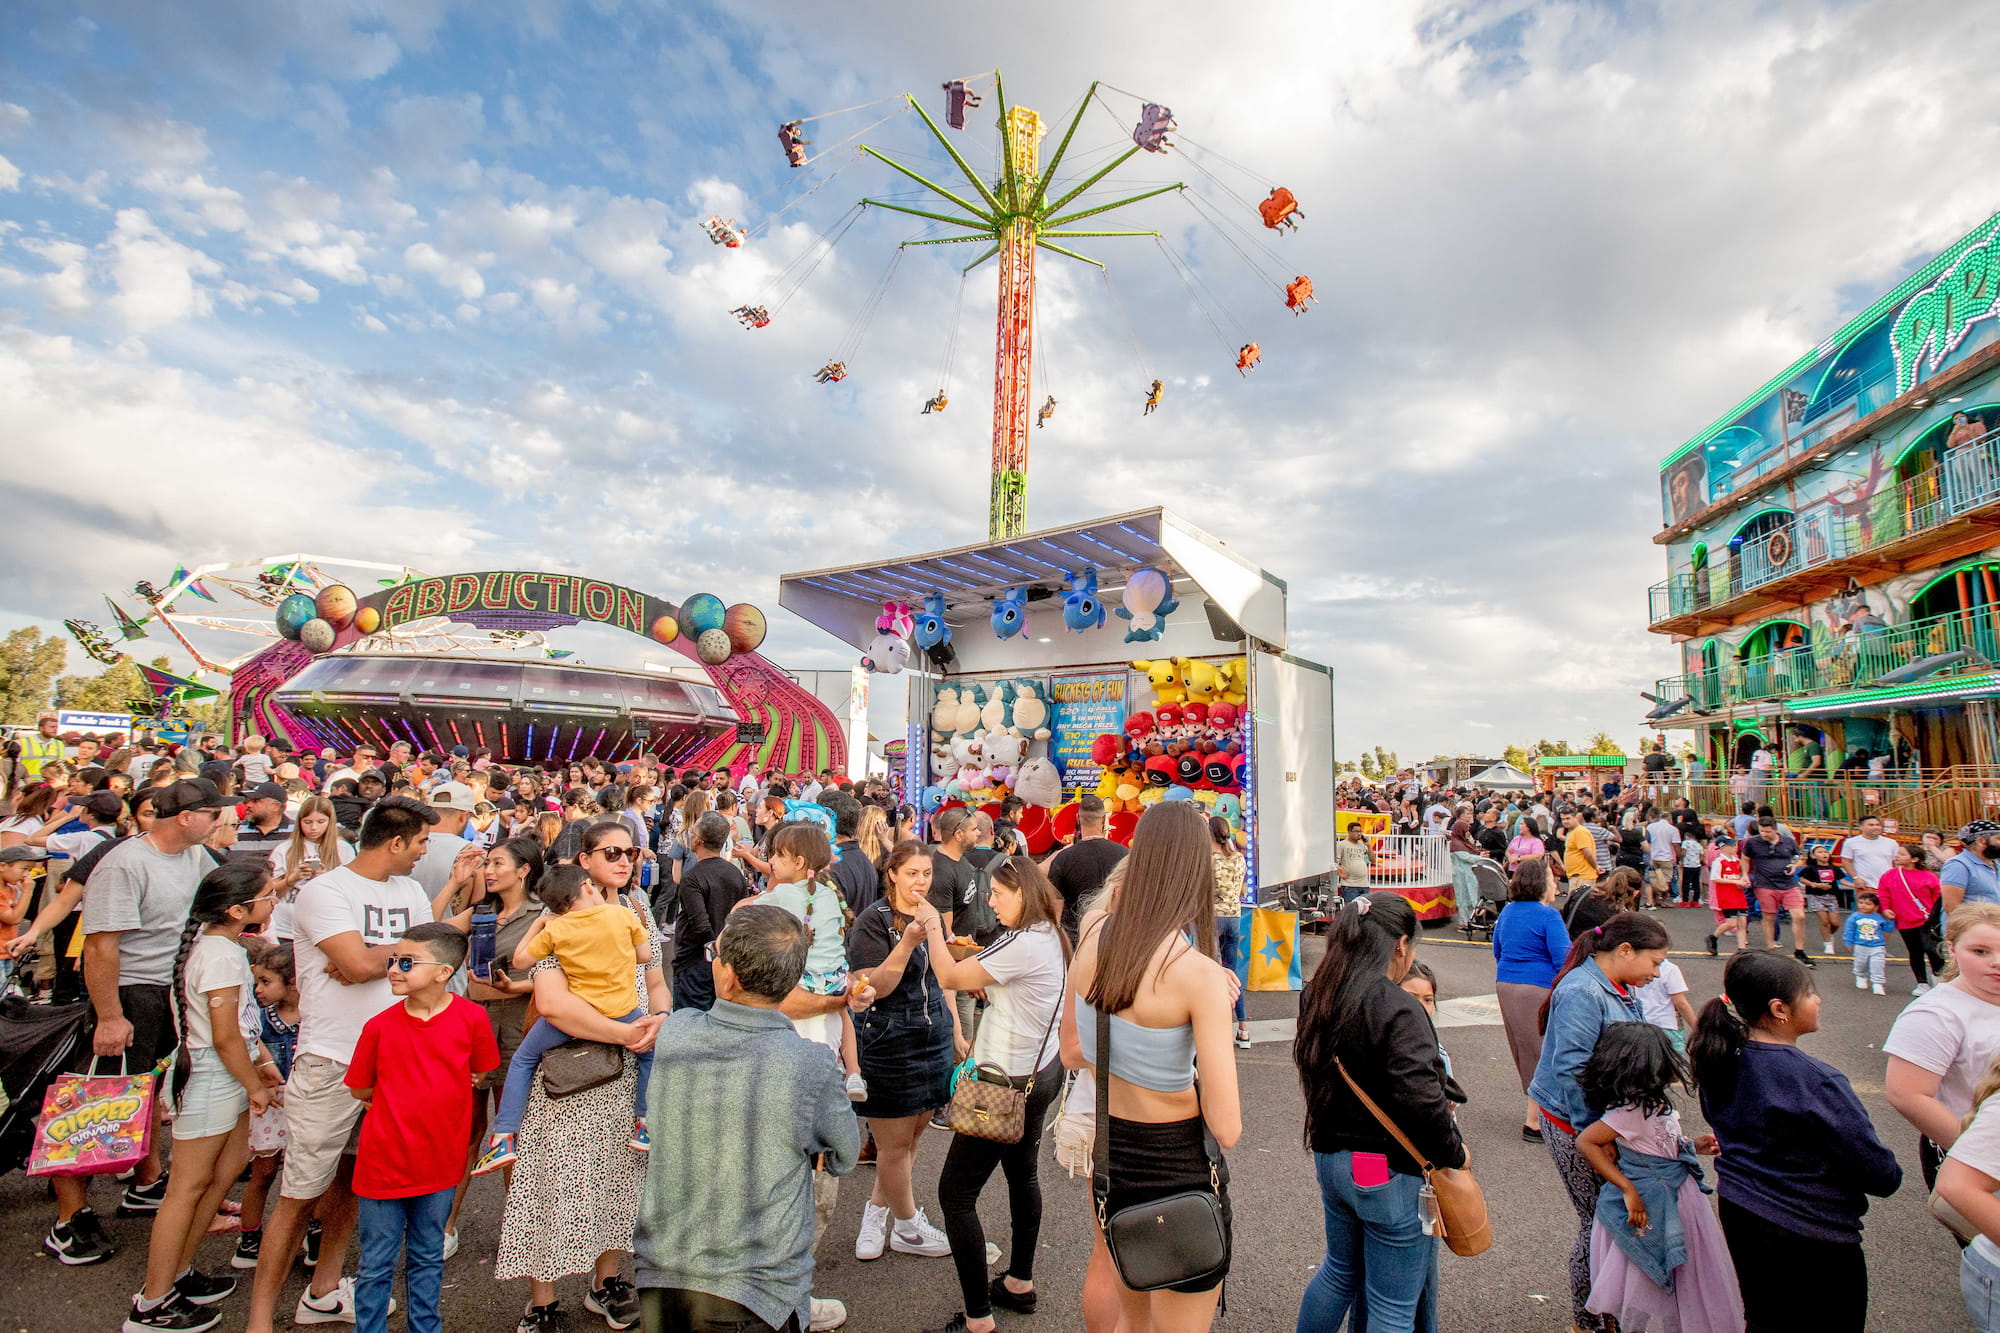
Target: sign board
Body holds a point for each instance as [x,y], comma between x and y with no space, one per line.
[1870,796]
[71,719]
[1086,706]
[1989,796]
[1889,826]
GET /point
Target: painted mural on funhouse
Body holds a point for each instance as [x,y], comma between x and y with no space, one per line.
[1942,314]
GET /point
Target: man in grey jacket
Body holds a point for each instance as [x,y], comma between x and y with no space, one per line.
[725,1232]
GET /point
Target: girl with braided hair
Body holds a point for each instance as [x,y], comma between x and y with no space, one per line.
[221,1073]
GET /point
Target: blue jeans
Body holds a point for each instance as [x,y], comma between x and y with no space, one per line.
[542,1038]
[1378,1260]
[387,1226]
[1228,944]
[1979,1283]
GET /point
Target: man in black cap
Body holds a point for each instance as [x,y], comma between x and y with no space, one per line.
[132,921]
[264,828]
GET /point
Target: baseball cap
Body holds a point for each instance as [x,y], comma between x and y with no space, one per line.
[178,798]
[104,804]
[215,771]
[22,852]
[461,752]
[266,791]
[452,796]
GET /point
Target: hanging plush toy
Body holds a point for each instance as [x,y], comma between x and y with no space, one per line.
[896,620]
[1149,592]
[1004,752]
[1031,713]
[1081,609]
[1010,613]
[930,629]
[887,654]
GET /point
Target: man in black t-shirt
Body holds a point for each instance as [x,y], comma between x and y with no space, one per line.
[1079,869]
[951,872]
[710,885]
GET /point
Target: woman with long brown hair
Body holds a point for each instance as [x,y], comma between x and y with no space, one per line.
[1167,1005]
[1022,975]
[314,846]
[906,1031]
[872,834]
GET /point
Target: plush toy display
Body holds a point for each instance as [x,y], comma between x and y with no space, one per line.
[1204,682]
[993,716]
[965,719]
[1004,752]
[1081,609]
[1031,712]
[930,630]
[1236,681]
[1230,807]
[1106,749]
[1010,613]
[887,655]
[1139,726]
[1148,592]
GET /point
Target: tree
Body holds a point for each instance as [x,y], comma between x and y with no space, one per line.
[1602,743]
[1386,762]
[29,661]
[109,691]
[1345,766]
[1519,756]
[1367,766]
[1547,748]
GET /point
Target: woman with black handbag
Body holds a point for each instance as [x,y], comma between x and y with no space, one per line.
[1144,1008]
[999,1107]
[1357,1023]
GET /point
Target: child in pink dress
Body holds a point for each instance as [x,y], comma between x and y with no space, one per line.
[1658,1260]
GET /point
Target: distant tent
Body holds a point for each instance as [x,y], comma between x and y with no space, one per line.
[1502,777]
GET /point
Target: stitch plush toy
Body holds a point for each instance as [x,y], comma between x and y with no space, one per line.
[1165,674]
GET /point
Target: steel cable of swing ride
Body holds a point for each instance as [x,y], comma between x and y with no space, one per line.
[1230,241]
[817,252]
[1220,304]
[827,180]
[835,147]
[1245,232]
[827,115]
[1125,316]
[951,339]
[1174,263]
[850,345]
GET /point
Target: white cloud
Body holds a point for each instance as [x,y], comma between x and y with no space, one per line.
[13,119]
[461,275]
[158,278]
[10,175]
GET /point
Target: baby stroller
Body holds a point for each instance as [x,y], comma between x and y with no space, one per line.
[1492,895]
[37,1042]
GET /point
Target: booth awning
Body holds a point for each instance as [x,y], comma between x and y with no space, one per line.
[1501,777]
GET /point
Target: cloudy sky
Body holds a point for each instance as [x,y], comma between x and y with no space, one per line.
[423,282]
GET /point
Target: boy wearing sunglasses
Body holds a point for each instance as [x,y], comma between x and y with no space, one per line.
[413,1069]
[601,946]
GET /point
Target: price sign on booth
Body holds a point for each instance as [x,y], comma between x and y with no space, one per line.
[1870,796]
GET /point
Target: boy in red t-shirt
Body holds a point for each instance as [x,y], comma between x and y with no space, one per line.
[414,1067]
[1727,879]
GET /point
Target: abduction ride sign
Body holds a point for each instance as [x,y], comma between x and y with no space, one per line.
[523,600]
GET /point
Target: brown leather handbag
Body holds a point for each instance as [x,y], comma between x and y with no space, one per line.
[1461,1207]
[986,1105]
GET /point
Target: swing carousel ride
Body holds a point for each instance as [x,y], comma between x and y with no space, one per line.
[1016,208]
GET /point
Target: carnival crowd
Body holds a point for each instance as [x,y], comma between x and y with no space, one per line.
[674,1009]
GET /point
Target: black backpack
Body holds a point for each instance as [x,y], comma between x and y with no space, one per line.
[975,916]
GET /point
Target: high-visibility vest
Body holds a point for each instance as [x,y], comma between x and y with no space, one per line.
[36,750]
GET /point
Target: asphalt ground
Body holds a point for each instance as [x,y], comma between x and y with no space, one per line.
[1516,1287]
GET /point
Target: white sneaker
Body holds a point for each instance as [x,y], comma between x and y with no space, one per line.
[1860,982]
[450,1243]
[874,1232]
[1879,990]
[992,1254]
[1921,988]
[336,1307]
[826,1315]
[857,1089]
[916,1235]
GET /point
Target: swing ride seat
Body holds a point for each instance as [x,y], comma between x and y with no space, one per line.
[1297,292]
[957,97]
[1155,121]
[795,147]
[1280,209]
[1247,357]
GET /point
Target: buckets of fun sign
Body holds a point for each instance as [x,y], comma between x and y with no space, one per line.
[1087,705]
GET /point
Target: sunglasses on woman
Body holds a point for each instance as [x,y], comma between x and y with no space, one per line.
[618,853]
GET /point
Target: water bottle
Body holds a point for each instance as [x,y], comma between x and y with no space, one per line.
[485,929]
[1427,1210]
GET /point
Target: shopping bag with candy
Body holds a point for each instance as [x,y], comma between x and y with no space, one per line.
[93,1125]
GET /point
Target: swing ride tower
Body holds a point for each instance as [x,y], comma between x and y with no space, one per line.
[1015,217]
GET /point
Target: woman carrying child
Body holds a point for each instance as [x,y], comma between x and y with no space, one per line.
[1657,1255]
[1799,1154]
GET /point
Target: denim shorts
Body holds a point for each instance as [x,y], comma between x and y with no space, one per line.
[213,1100]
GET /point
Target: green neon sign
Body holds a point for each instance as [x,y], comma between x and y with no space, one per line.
[1933,323]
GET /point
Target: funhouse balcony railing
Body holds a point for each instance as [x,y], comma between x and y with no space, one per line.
[1837,529]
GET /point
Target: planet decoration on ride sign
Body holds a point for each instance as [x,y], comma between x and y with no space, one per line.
[368,620]
[336,603]
[293,612]
[701,613]
[316,636]
[665,630]
[712,646]
[745,626]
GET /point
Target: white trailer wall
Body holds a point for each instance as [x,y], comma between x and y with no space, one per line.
[1293,700]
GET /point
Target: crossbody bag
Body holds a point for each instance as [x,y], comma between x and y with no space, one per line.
[985,1103]
[1461,1208]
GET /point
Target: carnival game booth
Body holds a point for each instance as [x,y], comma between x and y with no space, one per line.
[1134,656]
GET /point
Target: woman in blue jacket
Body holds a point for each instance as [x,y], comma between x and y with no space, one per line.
[1529,946]
[1592,991]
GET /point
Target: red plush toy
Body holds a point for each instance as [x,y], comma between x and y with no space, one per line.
[1196,714]
[1139,726]
[1168,716]
[1220,770]
[1160,771]
[1188,771]
[1224,716]
[1106,749]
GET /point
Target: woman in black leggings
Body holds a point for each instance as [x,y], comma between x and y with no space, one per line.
[1022,973]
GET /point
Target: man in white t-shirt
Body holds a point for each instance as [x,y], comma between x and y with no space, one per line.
[454,805]
[1868,855]
[345,923]
[1663,843]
